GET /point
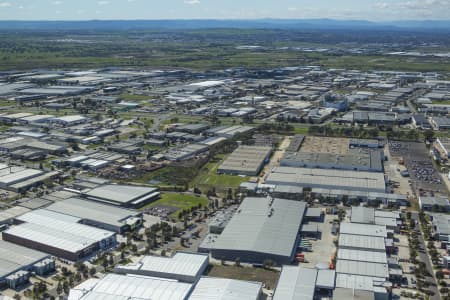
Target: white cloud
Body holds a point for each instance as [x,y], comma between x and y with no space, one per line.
[5,4]
[292,8]
[103,2]
[57,2]
[192,2]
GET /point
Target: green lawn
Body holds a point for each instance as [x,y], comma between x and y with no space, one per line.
[133,97]
[180,201]
[208,178]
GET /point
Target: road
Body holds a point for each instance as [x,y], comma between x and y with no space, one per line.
[423,256]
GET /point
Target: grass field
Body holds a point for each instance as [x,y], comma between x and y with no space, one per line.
[269,277]
[208,178]
[133,97]
[179,201]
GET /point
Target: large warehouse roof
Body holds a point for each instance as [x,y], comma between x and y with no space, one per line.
[330,179]
[263,225]
[181,263]
[85,209]
[209,288]
[246,160]
[121,287]
[363,229]
[123,194]
[13,257]
[62,231]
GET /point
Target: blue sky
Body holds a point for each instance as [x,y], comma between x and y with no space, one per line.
[223,9]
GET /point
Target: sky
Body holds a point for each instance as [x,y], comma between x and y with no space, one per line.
[373,10]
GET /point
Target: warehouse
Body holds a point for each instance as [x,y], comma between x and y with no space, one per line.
[183,266]
[114,286]
[361,242]
[99,215]
[328,179]
[262,228]
[429,203]
[362,268]
[299,283]
[246,160]
[209,288]
[363,229]
[16,260]
[58,234]
[70,120]
[370,162]
[123,195]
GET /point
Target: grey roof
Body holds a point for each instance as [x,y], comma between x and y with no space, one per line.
[10,213]
[246,159]
[263,225]
[90,210]
[362,242]
[326,279]
[314,212]
[362,268]
[209,288]
[352,294]
[14,257]
[120,193]
[430,201]
[331,179]
[121,287]
[362,214]
[350,281]
[296,283]
[363,229]
[182,263]
[361,255]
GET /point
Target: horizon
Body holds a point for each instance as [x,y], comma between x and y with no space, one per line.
[87,10]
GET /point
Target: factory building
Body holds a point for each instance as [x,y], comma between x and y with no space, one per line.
[328,179]
[99,215]
[114,286]
[226,289]
[16,263]
[261,228]
[183,266]
[58,234]
[246,160]
[122,195]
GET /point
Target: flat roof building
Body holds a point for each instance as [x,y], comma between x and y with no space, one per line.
[209,288]
[328,179]
[183,266]
[122,287]
[246,160]
[262,228]
[58,234]
[98,215]
[123,195]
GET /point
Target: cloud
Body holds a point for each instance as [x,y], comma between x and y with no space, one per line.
[57,2]
[5,4]
[192,2]
[292,8]
[414,5]
[103,2]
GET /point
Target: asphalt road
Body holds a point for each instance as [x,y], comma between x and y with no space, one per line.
[423,256]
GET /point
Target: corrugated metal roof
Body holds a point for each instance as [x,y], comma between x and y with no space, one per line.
[263,225]
[14,257]
[362,268]
[119,287]
[361,241]
[363,229]
[120,193]
[181,263]
[360,255]
[296,283]
[209,288]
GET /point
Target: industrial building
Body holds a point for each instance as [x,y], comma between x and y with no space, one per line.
[328,179]
[438,204]
[123,195]
[226,289]
[369,215]
[261,228]
[114,286]
[58,234]
[16,263]
[19,179]
[99,215]
[246,160]
[183,266]
[299,283]
[356,161]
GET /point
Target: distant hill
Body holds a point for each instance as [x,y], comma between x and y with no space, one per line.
[298,24]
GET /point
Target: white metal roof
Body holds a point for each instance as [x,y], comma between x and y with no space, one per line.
[360,255]
[296,283]
[181,263]
[122,287]
[120,193]
[362,242]
[356,282]
[14,257]
[209,288]
[363,229]
[362,268]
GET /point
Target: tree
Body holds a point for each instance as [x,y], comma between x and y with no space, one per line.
[92,271]
[237,261]
[59,288]
[440,275]
[268,263]
[428,134]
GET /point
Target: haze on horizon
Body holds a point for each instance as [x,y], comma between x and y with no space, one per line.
[372,10]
